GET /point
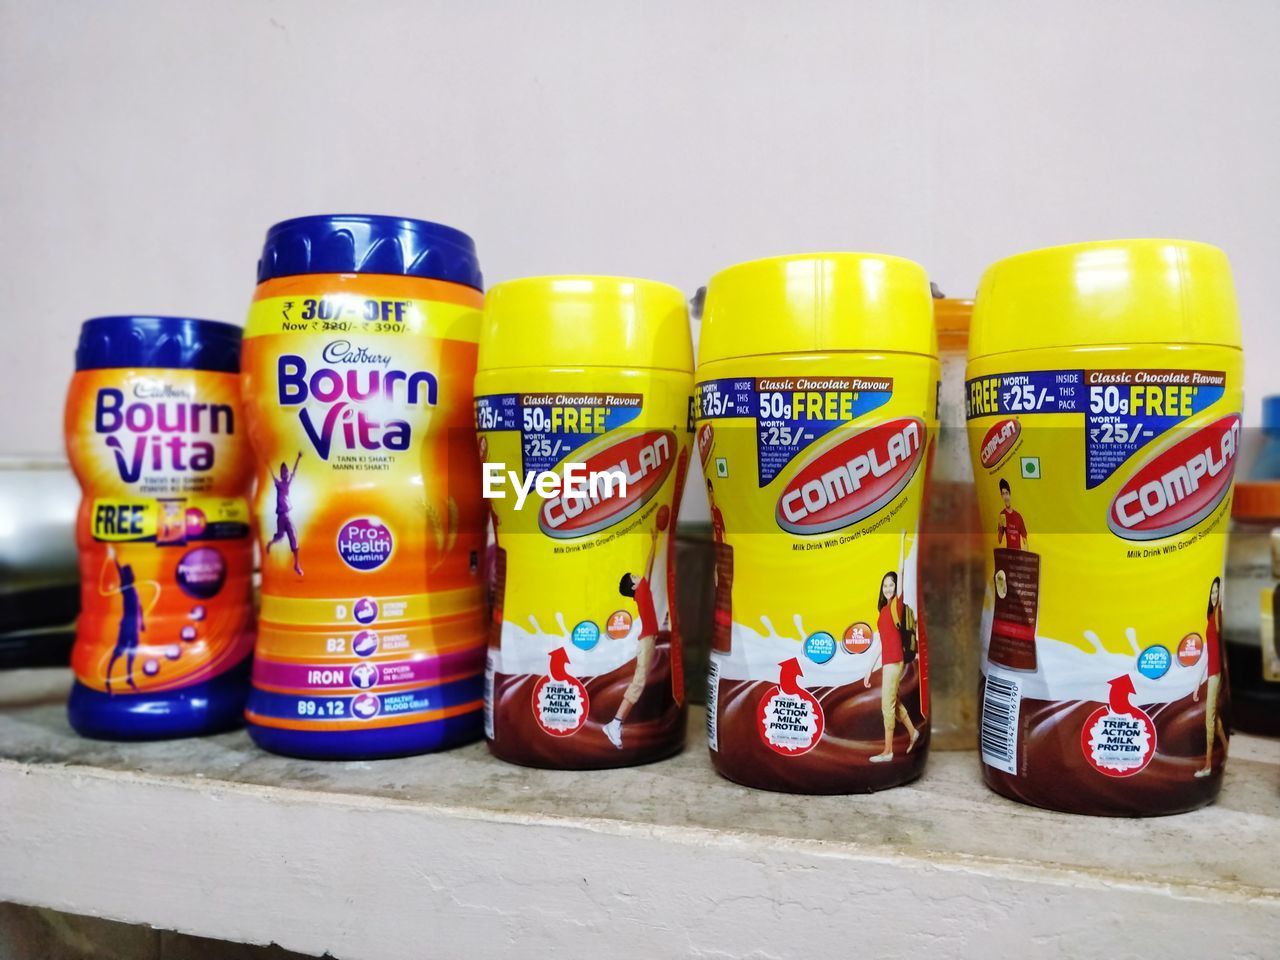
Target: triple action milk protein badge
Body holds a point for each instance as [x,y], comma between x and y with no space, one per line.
[584,421]
[1103,402]
[817,401]
[359,357]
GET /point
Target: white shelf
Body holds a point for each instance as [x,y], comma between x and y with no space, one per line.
[459,855]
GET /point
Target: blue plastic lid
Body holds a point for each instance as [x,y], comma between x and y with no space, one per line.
[1271,412]
[356,243]
[181,343]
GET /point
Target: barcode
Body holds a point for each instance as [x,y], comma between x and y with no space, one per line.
[713,696]
[1001,700]
[488,695]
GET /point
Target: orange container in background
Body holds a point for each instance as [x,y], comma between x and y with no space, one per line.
[951,546]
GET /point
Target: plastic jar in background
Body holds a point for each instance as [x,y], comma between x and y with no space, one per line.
[817,408]
[1252,592]
[1266,464]
[1104,399]
[951,548]
[155,435]
[591,375]
[358,363]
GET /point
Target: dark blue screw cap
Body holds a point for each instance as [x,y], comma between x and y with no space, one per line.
[181,343]
[357,243]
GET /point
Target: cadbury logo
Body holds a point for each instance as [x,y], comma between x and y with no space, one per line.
[640,462]
[1176,489]
[347,393]
[999,441]
[343,351]
[853,479]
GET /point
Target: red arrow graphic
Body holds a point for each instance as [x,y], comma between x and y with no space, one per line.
[788,675]
[1121,690]
[559,660]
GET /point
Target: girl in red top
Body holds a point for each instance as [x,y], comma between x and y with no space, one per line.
[1212,675]
[889,628]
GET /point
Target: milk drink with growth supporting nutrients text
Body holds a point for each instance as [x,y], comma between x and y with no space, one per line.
[817,405]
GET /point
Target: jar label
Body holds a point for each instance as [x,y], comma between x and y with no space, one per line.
[816,484]
[584,484]
[1105,494]
[163,529]
[358,394]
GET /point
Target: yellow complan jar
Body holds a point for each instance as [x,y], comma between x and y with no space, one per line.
[1103,404]
[817,405]
[583,413]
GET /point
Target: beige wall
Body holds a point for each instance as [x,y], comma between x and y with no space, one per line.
[147,145]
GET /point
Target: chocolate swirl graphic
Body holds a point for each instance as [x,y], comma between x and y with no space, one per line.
[841,760]
[1054,773]
[653,730]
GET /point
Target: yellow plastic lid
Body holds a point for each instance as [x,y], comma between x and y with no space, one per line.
[584,321]
[1110,292]
[818,303]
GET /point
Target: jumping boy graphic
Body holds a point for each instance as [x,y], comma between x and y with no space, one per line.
[284,526]
[132,621]
[1011,529]
[637,587]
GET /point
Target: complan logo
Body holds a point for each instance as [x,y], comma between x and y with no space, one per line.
[643,460]
[999,441]
[1178,488]
[853,479]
